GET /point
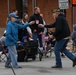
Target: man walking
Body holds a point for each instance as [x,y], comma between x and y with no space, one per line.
[62,33]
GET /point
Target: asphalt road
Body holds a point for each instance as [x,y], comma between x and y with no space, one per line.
[40,67]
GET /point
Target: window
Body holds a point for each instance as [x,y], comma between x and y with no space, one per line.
[25,6]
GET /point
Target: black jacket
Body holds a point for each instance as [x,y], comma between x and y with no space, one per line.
[61,27]
[35,17]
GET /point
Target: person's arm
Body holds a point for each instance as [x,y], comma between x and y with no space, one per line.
[50,25]
[47,26]
[25,25]
[29,30]
[72,36]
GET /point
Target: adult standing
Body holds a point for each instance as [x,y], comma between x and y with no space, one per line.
[37,32]
[12,38]
[27,31]
[15,11]
[62,33]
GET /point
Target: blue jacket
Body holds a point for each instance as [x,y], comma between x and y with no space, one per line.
[12,32]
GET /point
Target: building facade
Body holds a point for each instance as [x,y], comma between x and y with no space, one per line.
[27,6]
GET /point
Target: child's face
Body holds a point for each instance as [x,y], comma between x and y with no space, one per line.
[25,40]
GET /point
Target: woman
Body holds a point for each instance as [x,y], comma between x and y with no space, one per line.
[27,31]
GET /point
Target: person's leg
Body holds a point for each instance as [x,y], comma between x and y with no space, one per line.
[35,35]
[59,46]
[57,54]
[40,40]
[13,56]
[68,53]
[8,61]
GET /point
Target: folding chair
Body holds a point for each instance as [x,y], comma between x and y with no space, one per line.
[3,51]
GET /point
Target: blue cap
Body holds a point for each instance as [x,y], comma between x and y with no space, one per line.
[12,15]
[24,37]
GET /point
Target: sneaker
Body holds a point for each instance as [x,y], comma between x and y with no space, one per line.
[8,67]
[74,62]
[17,67]
[62,55]
[56,66]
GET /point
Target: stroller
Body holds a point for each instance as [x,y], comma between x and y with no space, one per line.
[29,50]
[49,46]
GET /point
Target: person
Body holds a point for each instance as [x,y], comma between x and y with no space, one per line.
[24,40]
[36,31]
[2,39]
[15,11]
[62,33]
[12,38]
[28,29]
[73,37]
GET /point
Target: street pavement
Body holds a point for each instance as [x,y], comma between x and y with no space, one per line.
[40,67]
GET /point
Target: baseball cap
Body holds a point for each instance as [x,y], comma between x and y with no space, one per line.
[24,37]
[56,10]
[12,15]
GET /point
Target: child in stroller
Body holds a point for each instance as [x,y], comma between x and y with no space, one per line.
[29,47]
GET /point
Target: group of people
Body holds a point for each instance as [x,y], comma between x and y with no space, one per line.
[33,28]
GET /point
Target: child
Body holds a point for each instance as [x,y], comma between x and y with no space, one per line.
[24,40]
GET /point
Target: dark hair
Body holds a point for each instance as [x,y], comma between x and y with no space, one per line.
[24,20]
[14,10]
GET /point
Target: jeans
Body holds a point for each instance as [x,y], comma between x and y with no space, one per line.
[39,37]
[12,57]
[60,46]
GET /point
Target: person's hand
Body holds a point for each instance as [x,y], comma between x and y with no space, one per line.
[54,39]
[50,36]
[32,22]
[40,33]
[35,30]
[41,26]
[19,42]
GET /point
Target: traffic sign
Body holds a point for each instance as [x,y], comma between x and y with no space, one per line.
[63,4]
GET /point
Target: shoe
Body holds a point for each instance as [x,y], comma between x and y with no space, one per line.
[17,67]
[56,66]
[62,55]
[8,67]
[74,62]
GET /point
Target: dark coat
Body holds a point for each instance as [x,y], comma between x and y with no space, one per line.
[35,17]
[61,27]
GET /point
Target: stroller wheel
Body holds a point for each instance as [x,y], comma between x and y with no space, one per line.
[26,59]
[40,56]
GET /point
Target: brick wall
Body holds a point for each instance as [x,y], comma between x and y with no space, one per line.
[4,11]
[47,5]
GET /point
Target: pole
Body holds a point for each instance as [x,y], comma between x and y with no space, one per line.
[73,13]
[8,1]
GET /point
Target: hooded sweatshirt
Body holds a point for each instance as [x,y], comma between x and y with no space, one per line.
[61,27]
